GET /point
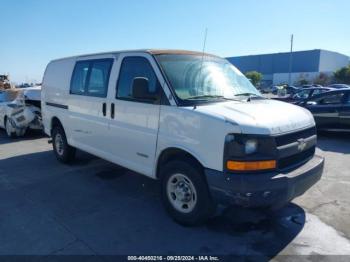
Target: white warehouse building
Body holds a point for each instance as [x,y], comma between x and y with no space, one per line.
[306,65]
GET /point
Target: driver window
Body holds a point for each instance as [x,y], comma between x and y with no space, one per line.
[131,68]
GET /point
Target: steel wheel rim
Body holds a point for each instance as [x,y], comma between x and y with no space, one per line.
[59,144]
[181,193]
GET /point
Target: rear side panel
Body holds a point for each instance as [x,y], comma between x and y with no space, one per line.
[55,91]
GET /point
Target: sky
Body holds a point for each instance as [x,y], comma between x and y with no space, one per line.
[33,32]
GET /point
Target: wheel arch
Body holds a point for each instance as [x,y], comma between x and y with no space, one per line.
[55,121]
[172,153]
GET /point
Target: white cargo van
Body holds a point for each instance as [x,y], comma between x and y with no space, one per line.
[190,119]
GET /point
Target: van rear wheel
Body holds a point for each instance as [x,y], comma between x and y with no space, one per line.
[185,193]
[63,152]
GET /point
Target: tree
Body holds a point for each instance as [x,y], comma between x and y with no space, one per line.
[322,79]
[343,75]
[254,76]
[302,81]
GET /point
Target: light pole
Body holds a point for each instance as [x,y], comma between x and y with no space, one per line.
[290,61]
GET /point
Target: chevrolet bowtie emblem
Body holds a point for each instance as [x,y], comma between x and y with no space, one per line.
[301,144]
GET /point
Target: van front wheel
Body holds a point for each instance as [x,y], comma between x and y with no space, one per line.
[63,152]
[185,193]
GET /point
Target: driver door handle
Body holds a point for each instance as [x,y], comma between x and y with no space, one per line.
[112,110]
[104,109]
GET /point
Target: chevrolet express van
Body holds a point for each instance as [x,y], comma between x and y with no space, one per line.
[189,119]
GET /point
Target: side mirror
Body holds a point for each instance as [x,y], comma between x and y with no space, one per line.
[311,103]
[140,90]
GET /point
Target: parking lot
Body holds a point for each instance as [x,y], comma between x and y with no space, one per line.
[93,207]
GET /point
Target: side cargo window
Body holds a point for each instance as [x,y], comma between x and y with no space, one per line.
[91,77]
[79,77]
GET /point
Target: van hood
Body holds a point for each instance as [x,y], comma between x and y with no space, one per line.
[261,116]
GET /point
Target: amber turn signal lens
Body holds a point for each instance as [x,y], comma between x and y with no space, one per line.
[250,166]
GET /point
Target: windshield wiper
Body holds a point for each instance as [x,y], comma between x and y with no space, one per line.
[205,96]
[247,94]
[250,96]
[212,96]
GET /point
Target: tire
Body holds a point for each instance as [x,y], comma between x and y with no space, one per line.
[63,152]
[10,131]
[178,179]
[21,132]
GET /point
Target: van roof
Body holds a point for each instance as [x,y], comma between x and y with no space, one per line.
[150,51]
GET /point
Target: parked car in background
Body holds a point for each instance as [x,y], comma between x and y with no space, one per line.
[310,86]
[268,89]
[331,110]
[20,109]
[284,90]
[303,94]
[291,90]
[339,86]
[194,122]
[27,85]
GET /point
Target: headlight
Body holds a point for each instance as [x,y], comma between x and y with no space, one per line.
[247,152]
[241,145]
[251,146]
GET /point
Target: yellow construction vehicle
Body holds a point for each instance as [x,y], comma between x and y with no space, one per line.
[5,82]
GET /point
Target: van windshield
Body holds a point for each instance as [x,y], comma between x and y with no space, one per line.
[198,78]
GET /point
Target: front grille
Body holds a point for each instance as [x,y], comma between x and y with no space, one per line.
[290,138]
[296,159]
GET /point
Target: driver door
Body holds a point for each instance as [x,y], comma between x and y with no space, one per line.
[134,119]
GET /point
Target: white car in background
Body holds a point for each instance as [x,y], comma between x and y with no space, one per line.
[20,109]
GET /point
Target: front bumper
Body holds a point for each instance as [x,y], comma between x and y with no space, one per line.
[273,189]
[26,117]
